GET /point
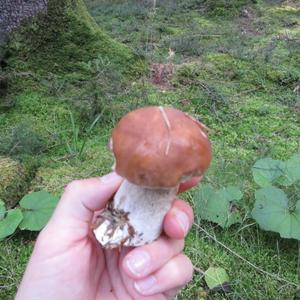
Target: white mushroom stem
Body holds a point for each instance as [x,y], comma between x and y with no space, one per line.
[135,216]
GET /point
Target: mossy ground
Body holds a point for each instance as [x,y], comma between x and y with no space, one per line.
[12,181]
[236,68]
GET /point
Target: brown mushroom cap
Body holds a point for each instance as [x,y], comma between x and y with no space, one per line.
[160,147]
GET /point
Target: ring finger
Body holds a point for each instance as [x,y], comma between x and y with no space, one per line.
[144,260]
[174,274]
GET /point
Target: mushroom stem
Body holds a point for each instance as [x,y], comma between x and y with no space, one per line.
[135,216]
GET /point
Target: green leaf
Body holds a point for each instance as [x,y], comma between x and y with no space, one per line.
[10,223]
[291,172]
[37,209]
[271,211]
[2,210]
[218,206]
[232,193]
[215,277]
[267,170]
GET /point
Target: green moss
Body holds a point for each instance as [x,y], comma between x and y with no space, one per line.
[64,36]
[284,76]
[15,253]
[55,175]
[13,181]
[36,122]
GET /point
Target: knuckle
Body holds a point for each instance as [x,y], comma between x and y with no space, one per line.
[171,246]
[183,268]
[74,186]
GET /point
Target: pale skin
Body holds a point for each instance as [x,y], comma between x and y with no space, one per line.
[68,263]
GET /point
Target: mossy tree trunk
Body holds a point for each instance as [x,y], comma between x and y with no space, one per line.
[58,35]
[12,12]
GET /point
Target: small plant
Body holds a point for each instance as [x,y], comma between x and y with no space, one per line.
[9,220]
[104,84]
[219,206]
[54,84]
[33,213]
[74,147]
[217,279]
[273,209]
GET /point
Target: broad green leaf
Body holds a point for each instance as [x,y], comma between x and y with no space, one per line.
[218,206]
[216,277]
[267,170]
[37,209]
[10,223]
[2,209]
[271,211]
[232,193]
[291,171]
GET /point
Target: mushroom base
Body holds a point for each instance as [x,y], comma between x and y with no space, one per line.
[135,216]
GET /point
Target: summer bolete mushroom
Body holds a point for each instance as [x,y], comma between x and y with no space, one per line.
[156,149]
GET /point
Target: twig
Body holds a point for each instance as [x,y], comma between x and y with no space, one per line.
[247,92]
[21,74]
[65,157]
[13,148]
[6,286]
[195,35]
[199,270]
[246,261]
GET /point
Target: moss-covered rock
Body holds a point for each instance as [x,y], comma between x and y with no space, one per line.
[12,181]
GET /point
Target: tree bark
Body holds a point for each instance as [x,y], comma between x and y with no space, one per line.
[12,12]
[56,35]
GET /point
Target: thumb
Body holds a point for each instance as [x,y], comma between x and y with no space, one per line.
[83,197]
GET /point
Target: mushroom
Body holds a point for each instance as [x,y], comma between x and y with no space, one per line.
[155,149]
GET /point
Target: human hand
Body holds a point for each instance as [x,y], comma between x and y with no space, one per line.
[68,262]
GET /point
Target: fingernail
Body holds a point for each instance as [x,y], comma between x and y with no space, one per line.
[146,285]
[183,220]
[110,178]
[138,263]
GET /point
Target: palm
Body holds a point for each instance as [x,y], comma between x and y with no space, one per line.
[93,273]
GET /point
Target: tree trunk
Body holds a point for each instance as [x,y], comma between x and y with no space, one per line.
[12,12]
[58,36]
[55,37]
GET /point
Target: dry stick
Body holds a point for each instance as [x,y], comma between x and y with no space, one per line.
[247,92]
[245,260]
[199,270]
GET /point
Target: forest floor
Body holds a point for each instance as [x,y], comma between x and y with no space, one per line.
[234,66]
